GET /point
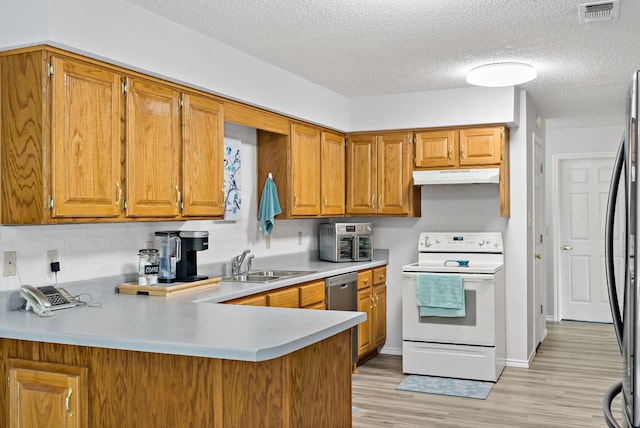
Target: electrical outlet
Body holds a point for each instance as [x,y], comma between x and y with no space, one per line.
[52,256]
[10,263]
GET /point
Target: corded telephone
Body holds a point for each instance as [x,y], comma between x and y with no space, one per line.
[43,300]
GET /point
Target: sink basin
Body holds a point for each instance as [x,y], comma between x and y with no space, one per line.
[266,275]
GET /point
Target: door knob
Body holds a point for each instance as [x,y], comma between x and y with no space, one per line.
[567,247]
[538,256]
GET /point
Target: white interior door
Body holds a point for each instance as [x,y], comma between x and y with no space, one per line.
[538,231]
[583,186]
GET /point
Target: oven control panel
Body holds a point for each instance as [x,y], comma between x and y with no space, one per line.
[489,242]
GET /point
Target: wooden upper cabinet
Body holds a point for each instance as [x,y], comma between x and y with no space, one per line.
[47,395]
[305,170]
[466,147]
[436,148]
[307,166]
[481,146]
[332,174]
[379,174]
[202,156]
[362,174]
[85,140]
[153,149]
[394,173]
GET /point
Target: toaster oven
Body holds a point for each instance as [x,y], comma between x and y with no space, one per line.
[345,242]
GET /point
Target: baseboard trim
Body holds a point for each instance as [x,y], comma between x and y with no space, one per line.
[391,351]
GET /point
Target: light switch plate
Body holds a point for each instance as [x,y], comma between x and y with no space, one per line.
[10,260]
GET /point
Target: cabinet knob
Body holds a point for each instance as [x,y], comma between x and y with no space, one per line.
[379,200]
[365,280]
[373,201]
[324,201]
[380,276]
[295,200]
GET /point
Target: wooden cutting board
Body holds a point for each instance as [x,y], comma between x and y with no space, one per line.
[166,290]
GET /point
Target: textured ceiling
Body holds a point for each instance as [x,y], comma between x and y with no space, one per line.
[375,47]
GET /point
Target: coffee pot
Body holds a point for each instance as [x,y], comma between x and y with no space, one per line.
[170,252]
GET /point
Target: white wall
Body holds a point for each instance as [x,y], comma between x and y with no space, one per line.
[450,107]
[570,141]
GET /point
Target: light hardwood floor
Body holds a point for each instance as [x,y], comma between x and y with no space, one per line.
[564,387]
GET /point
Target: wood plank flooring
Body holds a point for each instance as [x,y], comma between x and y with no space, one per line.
[564,387]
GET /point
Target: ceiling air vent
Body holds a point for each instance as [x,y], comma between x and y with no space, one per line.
[601,11]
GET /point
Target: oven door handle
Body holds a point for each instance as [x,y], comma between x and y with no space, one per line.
[465,276]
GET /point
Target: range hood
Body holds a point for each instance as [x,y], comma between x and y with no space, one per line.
[457,176]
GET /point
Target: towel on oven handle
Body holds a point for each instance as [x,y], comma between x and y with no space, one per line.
[440,295]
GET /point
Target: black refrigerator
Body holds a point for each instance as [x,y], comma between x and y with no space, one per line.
[625,315]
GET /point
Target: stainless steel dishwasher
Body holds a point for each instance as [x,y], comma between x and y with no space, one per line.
[342,295]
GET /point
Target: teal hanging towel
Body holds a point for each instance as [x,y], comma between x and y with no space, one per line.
[269,206]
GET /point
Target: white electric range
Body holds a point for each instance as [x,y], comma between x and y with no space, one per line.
[470,346]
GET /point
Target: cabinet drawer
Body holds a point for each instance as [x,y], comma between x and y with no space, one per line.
[312,293]
[365,279]
[287,298]
[251,301]
[320,306]
[380,275]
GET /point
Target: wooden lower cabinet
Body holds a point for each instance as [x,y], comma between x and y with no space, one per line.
[119,388]
[47,395]
[287,298]
[308,295]
[372,299]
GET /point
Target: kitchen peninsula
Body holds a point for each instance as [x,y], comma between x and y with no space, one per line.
[181,361]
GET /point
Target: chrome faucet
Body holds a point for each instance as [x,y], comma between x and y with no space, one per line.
[236,262]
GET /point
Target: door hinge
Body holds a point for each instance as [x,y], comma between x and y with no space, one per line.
[124,87]
[181,102]
[124,205]
[541,238]
[49,69]
[50,202]
[541,168]
[541,309]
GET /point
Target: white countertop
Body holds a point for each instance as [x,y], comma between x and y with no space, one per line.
[193,323]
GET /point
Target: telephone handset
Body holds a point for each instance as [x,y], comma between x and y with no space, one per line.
[43,300]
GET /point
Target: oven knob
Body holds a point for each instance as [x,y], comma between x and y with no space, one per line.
[437,240]
[481,243]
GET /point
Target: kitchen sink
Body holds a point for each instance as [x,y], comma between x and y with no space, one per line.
[266,275]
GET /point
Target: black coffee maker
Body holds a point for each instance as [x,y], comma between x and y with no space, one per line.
[189,242]
[192,241]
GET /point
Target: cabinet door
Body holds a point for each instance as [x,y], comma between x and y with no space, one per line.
[332,187]
[305,170]
[365,304]
[379,315]
[481,146]
[436,149]
[153,149]
[85,140]
[312,293]
[47,395]
[202,157]
[362,168]
[394,174]
[287,298]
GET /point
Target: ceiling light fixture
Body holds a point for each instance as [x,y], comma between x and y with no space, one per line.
[501,74]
